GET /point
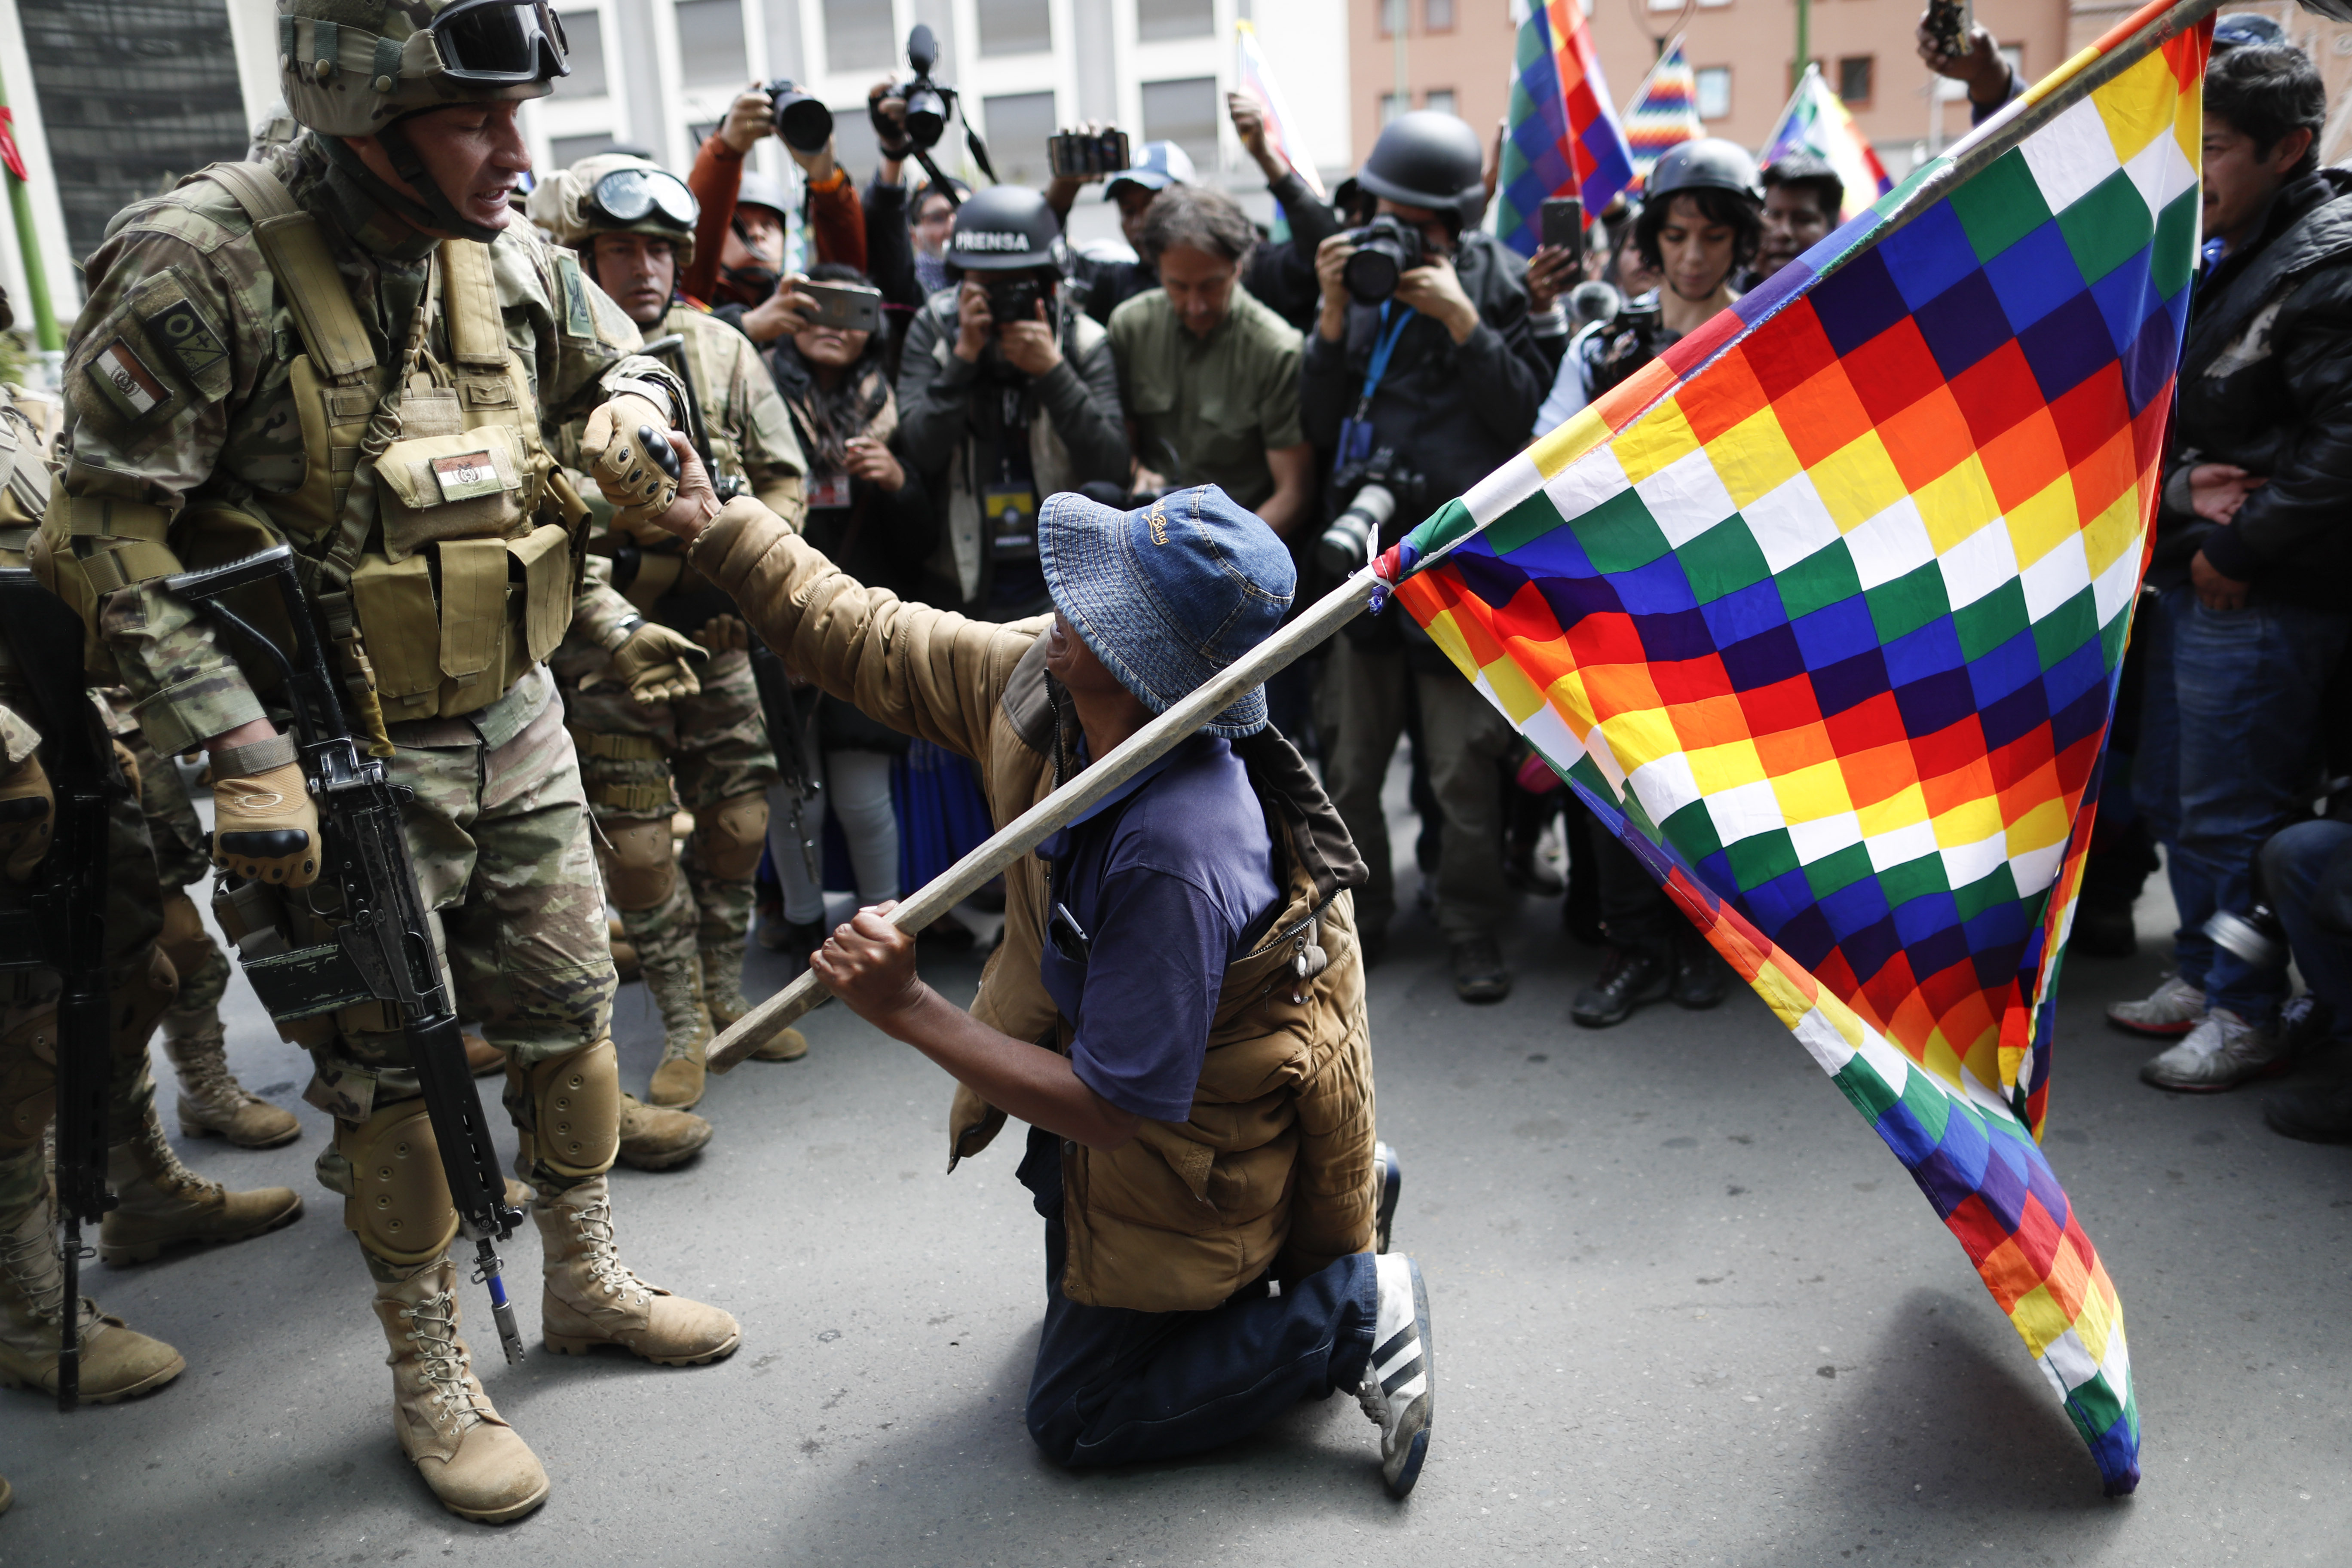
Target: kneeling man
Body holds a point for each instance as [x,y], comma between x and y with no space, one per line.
[1178,1007]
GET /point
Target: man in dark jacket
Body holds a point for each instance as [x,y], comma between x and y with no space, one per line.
[2254,552]
[1006,395]
[1445,378]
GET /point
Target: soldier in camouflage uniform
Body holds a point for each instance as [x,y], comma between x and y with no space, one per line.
[351,350]
[632,224]
[162,1202]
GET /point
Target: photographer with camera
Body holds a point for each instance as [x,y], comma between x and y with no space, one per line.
[739,241]
[1208,375]
[1006,395]
[1422,368]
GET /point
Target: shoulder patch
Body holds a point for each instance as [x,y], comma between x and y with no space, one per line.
[182,335]
[579,318]
[127,380]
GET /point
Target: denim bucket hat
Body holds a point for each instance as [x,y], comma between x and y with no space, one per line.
[1168,595]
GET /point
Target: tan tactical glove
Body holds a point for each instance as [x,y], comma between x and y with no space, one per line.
[27,812]
[266,827]
[655,664]
[128,760]
[630,459]
[722,632]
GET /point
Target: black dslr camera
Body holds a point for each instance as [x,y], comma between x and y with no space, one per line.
[1012,299]
[1385,499]
[927,103]
[802,117]
[1386,249]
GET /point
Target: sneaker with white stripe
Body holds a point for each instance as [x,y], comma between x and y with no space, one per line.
[1400,1382]
[1388,1178]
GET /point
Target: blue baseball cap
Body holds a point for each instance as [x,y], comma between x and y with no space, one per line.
[1158,167]
[2245,27]
[1170,594]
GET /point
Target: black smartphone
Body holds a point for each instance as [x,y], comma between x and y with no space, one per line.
[1086,156]
[1947,25]
[852,306]
[1561,222]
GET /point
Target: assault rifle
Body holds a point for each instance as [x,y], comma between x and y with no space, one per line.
[65,929]
[383,949]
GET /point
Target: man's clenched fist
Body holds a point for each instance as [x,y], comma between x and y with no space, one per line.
[629,459]
[266,827]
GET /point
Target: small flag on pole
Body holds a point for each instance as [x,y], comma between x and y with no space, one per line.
[1818,122]
[1256,78]
[1664,111]
[1562,137]
[1822,612]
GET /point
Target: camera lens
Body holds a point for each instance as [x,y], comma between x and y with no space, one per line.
[1347,543]
[2255,936]
[927,116]
[1371,273]
[802,122]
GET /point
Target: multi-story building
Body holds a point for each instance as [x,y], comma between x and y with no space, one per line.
[115,99]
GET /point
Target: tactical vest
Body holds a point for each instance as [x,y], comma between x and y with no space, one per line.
[24,479]
[443,537]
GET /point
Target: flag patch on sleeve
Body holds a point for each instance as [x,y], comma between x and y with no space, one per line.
[128,380]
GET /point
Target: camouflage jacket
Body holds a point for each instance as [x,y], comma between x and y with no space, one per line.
[751,435]
[178,396]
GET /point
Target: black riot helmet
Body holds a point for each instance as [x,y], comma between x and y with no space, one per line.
[1006,228]
[1428,159]
[1707,162]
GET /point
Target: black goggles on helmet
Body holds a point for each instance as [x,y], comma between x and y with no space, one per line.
[501,43]
[633,195]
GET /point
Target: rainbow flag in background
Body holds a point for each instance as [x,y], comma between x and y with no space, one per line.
[1822,611]
[1257,77]
[1561,135]
[1664,111]
[1818,120]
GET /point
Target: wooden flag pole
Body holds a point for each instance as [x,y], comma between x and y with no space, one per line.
[1057,810]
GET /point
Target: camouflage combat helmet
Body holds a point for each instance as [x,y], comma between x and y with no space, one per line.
[358,68]
[616,193]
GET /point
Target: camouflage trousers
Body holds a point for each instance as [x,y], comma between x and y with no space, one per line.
[695,753]
[141,982]
[182,858]
[500,839]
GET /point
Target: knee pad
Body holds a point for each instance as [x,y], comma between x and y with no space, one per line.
[730,836]
[182,938]
[575,1110]
[398,1201]
[643,865]
[28,1082]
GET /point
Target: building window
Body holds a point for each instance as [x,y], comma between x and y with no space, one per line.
[1440,99]
[1714,92]
[1157,19]
[711,43]
[1392,17]
[1018,125]
[1854,78]
[563,152]
[585,29]
[1391,107]
[1437,16]
[859,36]
[1184,112]
[1015,27]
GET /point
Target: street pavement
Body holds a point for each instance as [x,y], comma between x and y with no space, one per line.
[1687,1310]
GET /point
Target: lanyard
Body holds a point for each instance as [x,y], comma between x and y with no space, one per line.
[1381,349]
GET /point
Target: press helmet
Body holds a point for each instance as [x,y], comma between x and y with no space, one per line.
[1426,158]
[1006,228]
[1706,163]
[358,68]
[617,193]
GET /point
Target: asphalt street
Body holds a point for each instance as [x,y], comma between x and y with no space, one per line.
[1687,1310]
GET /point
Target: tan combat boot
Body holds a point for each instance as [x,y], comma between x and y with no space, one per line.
[213,1104]
[654,1138]
[677,1081]
[592,1297]
[461,1446]
[723,991]
[162,1202]
[116,1363]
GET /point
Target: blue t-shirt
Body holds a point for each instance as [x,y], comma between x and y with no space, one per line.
[1164,881]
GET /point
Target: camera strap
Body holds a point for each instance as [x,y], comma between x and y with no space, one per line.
[1355,434]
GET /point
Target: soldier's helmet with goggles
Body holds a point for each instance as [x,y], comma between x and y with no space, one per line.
[350,67]
[617,193]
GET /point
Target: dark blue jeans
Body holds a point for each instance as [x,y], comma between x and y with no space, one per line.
[1114,1386]
[2307,872]
[2226,749]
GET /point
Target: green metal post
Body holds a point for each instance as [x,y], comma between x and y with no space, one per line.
[36,277]
[1804,42]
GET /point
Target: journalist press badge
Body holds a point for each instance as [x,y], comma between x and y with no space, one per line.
[827,491]
[1012,521]
[465,476]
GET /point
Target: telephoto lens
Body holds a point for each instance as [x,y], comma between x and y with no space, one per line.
[802,119]
[2255,936]
[1385,250]
[1348,542]
[926,113]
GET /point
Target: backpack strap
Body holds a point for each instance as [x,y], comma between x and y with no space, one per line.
[478,333]
[297,254]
